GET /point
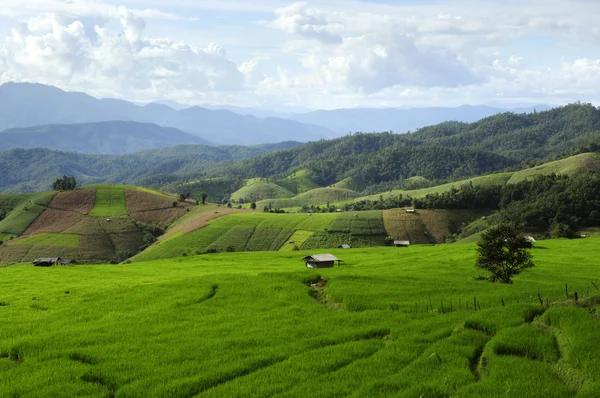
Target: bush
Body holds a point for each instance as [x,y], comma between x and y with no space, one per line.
[230,249]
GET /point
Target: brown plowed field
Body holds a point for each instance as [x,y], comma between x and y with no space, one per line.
[202,221]
[79,201]
[54,221]
[140,201]
[161,217]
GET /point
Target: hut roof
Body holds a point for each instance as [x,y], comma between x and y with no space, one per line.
[402,242]
[321,258]
[344,246]
[48,260]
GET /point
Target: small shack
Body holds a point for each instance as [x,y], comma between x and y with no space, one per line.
[49,261]
[344,246]
[401,243]
[529,239]
[321,260]
[410,211]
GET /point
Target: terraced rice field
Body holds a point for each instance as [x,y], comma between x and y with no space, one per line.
[260,324]
[359,223]
[79,201]
[110,202]
[60,240]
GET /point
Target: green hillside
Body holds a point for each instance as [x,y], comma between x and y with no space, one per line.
[91,224]
[405,322]
[571,165]
[298,182]
[257,189]
[317,196]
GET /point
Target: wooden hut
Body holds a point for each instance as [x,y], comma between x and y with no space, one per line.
[321,260]
[49,261]
[401,243]
[529,239]
[344,246]
[410,211]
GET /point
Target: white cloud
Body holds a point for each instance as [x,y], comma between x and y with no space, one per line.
[323,53]
[118,62]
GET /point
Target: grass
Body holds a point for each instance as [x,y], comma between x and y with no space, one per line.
[572,165]
[244,324]
[257,189]
[59,240]
[359,223]
[298,238]
[110,202]
[25,212]
[318,196]
[236,230]
[299,182]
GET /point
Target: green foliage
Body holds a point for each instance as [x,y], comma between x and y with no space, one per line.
[502,250]
[65,184]
[59,240]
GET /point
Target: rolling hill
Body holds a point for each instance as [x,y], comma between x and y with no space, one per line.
[98,138]
[94,224]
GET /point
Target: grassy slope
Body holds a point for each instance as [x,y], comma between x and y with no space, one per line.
[24,213]
[89,238]
[245,325]
[299,182]
[257,189]
[572,165]
[317,196]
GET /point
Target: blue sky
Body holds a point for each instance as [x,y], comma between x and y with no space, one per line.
[317,54]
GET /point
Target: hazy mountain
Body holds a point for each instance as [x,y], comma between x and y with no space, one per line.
[26,105]
[398,120]
[96,138]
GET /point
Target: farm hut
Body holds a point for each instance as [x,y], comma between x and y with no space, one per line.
[410,211]
[401,243]
[338,210]
[344,246]
[530,239]
[321,260]
[49,261]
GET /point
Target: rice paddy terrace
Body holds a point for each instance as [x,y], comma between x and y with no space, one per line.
[388,322]
[258,231]
[91,224]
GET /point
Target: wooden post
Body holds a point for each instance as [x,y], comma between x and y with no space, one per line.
[502,301]
[474,303]
[567,291]
[540,298]
[576,297]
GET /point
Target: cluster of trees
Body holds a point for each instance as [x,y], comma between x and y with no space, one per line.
[66,183]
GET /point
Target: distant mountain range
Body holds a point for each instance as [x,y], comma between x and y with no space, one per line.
[44,112]
[368,120]
[28,105]
[98,138]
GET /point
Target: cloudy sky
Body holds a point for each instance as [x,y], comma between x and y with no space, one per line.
[315,54]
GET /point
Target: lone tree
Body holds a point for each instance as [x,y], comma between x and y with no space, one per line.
[253,205]
[203,196]
[503,251]
[64,184]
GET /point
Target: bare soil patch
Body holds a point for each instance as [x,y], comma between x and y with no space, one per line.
[140,201]
[54,221]
[79,201]
[160,217]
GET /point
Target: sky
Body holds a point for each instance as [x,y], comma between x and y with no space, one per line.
[320,54]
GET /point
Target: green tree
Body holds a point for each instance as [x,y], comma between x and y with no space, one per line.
[253,205]
[203,196]
[65,183]
[503,251]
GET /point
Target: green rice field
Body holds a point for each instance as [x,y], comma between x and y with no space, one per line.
[59,240]
[388,322]
[110,202]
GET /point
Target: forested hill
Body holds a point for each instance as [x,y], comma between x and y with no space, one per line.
[30,170]
[449,150]
[445,152]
